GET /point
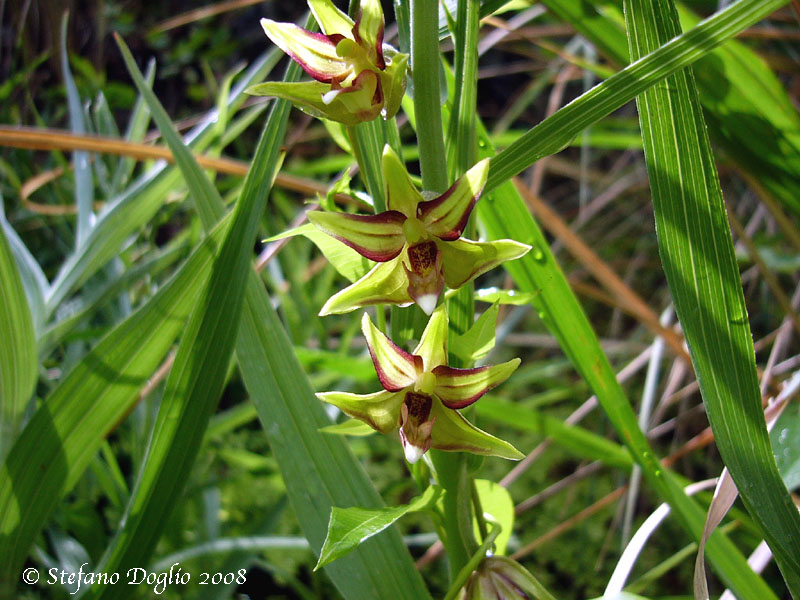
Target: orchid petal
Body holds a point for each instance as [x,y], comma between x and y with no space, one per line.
[416,425]
[425,279]
[331,20]
[454,433]
[380,410]
[401,193]
[432,345]
[385,283]
[396,368]
[376,237]
[463,260]
[458,388]
[315,52]
[350,105]
[447,216]
[368,31]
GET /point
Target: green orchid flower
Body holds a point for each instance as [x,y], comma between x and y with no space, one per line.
[357,76]
[417,242]
[421,395]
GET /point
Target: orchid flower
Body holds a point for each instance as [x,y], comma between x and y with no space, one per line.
[357,76]
[421,395]
[416,242]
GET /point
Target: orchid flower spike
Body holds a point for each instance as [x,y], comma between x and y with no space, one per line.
[357,76]
[421,395]
[417,243]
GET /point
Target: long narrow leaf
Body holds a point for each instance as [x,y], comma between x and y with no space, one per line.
[699,262]
[18,362]
[554,133]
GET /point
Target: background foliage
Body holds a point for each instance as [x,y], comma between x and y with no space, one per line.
[126,387]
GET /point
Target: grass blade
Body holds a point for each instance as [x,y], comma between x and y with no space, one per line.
[699,262]
[552,134]
[66,431]
[84,186]
[18,361]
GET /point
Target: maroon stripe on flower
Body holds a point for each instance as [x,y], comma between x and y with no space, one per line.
[325,39]
[386,381]
[388,217]
[426,207]
[449,394]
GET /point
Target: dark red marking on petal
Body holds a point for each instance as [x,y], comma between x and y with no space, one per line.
[318,75]
[415,428]
[386,382]
[425,208]
[389,216]
[422,257]
[455,373]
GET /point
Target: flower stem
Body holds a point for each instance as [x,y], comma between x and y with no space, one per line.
[425,69]
[452,476]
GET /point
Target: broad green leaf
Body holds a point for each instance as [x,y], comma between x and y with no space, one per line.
[554,133]
[33,278]
[497,502]
[350,427]
[478,340]
[349,527]
[504,215]
[18,360]
[66,431]
[697,254]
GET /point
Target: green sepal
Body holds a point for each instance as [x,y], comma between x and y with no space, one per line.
[379,410]
[463,260]
[452,432]
[386,283]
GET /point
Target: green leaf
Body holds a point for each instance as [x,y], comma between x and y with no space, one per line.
[504,215]
[497,502]
[478,340]
[18,360]
[84,186]
[350,427]
[349,527]
[554,133]
[697,254]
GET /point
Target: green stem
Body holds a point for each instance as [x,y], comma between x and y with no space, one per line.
[452,476]
[425,69]
[461,578]
[367,142]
